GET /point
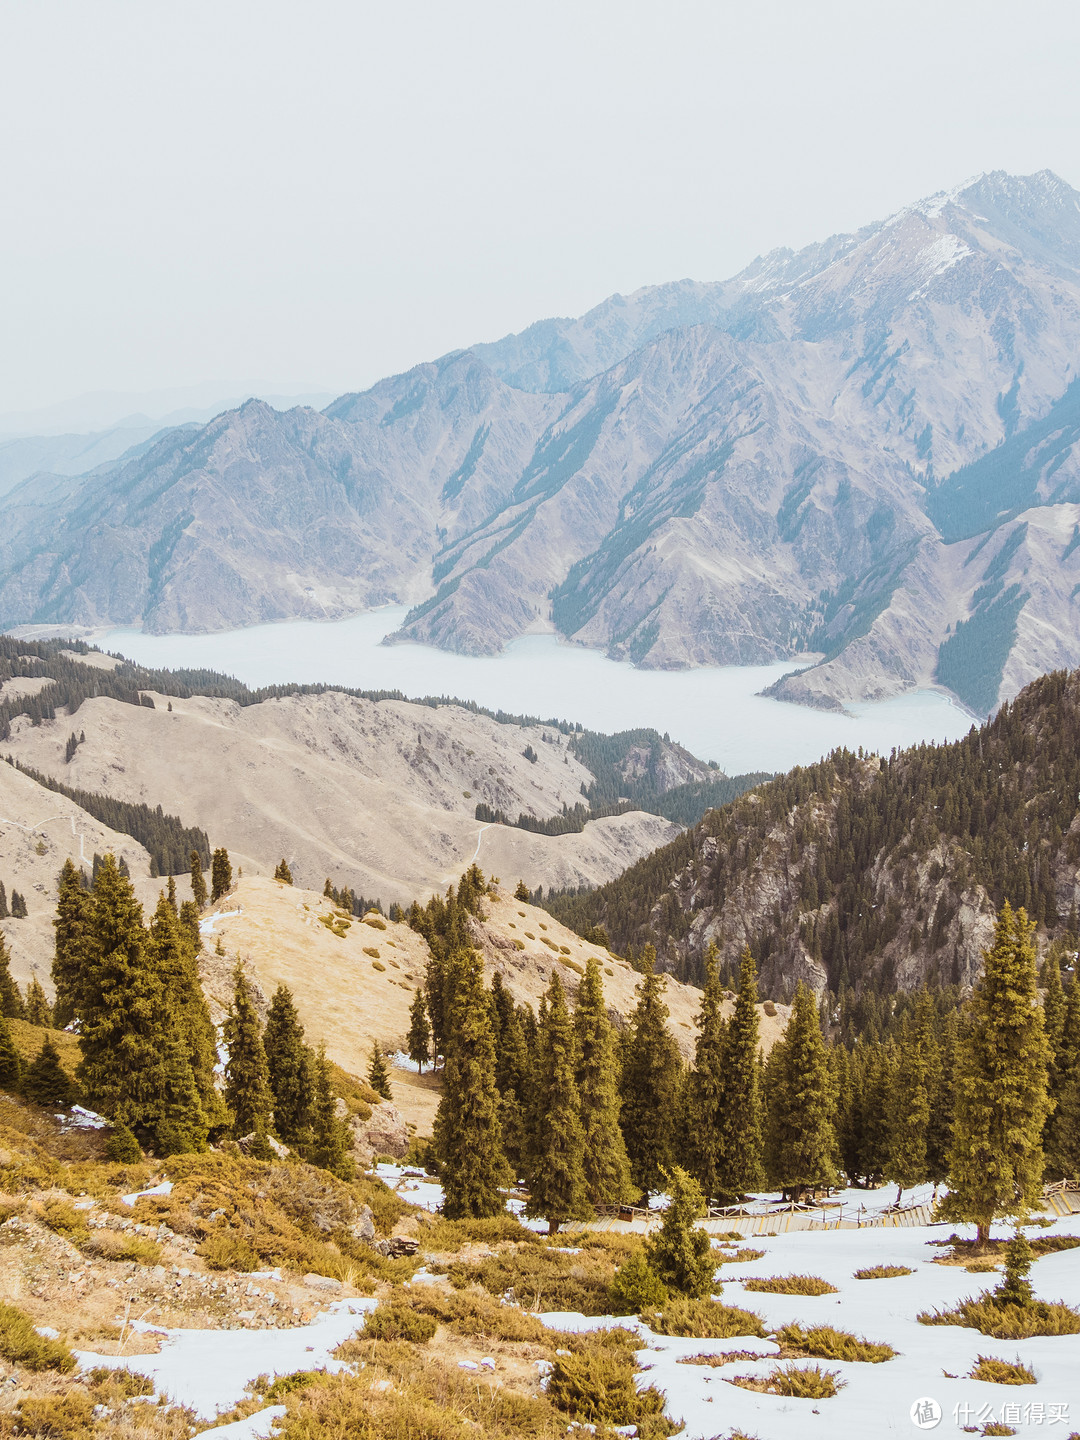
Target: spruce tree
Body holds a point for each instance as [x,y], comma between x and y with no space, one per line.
[220,875]
[605,1164]
[512,1073]
[290,1070]
[283,873]
[705,1085]
[522,892]
[556,1174]
[379,1074]
[649,1083]
[12,1006]
[72,924]
[121,1147]
[4,911]
[741,1118]
[170,895]
[467,1134]
[908,1112]
[180,1127]
[198,880]
[11,1067]
[419,1041]
[331,1141]
[18,906]
[800,1137]
[996,1161]
[247,1078]
[1063,1129]
[38,1009]
[939,1128]
[170,951]
[680,1254]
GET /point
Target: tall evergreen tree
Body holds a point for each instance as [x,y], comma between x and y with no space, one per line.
[11,1066]
[1063,1129]
[283,873]
[680,1254]
[939,1127]
[650,1082]
[133,1060]
[4,911]
[741,1118]
[996,1162]
[419,1040]
[198,880]
[512,1073]
[908,1112]
[331,1142]
[72,924]
[12,1005]
[46,1082]
[290,1071]
[247,1077]
[522,892]
[604,1162]
[220,875]
[705,1084]
[556,1143]
[38,1009]
[800,1138]
[379,1074]
[172,954]
[467,1134]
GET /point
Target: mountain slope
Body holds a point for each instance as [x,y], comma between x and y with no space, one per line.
[807,457]
[866,873]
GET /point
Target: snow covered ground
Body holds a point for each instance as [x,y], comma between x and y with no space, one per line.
[209,1370]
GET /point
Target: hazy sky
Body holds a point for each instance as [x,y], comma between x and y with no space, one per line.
[321,193]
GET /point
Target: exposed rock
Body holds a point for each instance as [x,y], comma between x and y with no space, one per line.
[322,1282]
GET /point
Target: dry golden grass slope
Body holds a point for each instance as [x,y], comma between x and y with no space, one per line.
[356,988]
[377,796]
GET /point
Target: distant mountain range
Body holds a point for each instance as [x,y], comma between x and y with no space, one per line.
[864,449]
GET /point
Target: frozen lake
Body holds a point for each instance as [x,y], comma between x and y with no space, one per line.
[714,712]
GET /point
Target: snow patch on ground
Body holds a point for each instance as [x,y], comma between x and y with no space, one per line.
[165,1188]
[206,927]
[209,1370]
[254,1427]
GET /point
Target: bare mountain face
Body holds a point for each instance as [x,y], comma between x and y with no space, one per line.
[863,449]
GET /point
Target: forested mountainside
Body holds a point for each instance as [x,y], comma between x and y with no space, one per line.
[863,449]
[860,873]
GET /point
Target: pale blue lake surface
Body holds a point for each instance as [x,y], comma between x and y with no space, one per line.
[714,712]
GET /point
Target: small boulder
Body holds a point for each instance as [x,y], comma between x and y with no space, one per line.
[322,1282]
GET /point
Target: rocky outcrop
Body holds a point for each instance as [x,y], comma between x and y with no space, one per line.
[384,1133]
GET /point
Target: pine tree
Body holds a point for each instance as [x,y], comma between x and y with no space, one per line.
[189,923]
[605,1164]
[247,1078]
[705,1085]
[467,1135]
[171,952]
[290,1070]
[38,1009]
[636,1287]
[522,892]
[72,925]
[996,1161]
[379,1074]
[11,1067]
[331,1141]
[908,1112]
[121,1147]
[741,1118]
[512,1073]
[220,875]
[198,880]
[4,911]
[800,1138]
[555,1156]
[680,1254]
[170,895]
[650,1081]
[419,1040]
[11,1001]
[1063,1138]
[18,906]
[283,873]
[134,1068]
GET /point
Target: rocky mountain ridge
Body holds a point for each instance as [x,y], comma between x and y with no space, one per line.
[863,449]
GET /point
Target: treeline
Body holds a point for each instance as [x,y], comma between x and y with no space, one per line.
[167,839]
[587,1118]
[856,846]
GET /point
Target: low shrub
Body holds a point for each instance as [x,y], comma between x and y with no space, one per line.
[470,1313]
[119,1384]
[21,1344]
[769,1008]
[226,1250]
[825,1343]
[543,1278]
[883,1272]
[636,1287]
[1002,1372]
[800,1382]
[595,1384]
[393,1321]
[703,1320]
[1006,1321]
[448,1235]
[57,1417]
[62,1218]
[740,1257]
[790,1285]
[981,1267]
[284,1385]
[118,1245]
